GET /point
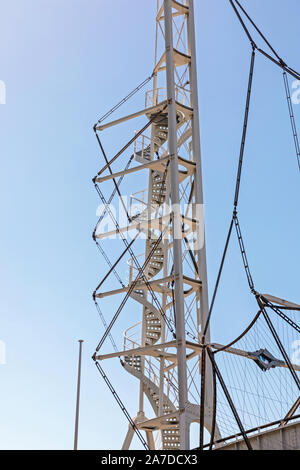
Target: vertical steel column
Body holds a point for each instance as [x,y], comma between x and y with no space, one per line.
[199,199]
[177,235]
[201,253]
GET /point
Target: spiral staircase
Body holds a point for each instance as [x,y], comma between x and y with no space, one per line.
[144,371]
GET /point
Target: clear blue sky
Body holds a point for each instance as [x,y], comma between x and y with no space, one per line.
[64,64]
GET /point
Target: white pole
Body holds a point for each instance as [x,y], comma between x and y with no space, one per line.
[78,396]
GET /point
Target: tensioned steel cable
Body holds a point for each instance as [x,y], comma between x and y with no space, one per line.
[116,189]
[292,117]
[229,399]
[280,314]
[218,278]
[280,62]
[140,269]
[113,266]
[238,181]
[126,98]
[106,326]
[281,347]
[130,290]
[223,348]
[255,27]
[277,59]
[243,24]
[131,141]
[244,133]
[112,269]
[111,197]
[234,219]
[100,248]
[121,405]
[108,333]
[286,69]
[111,173]
[105,211]
[105,256]
[243,253]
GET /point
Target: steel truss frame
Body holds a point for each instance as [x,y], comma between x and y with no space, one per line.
[181,287]
[171,284]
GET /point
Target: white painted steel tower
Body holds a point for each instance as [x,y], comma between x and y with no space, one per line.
[167,359]
[168,351]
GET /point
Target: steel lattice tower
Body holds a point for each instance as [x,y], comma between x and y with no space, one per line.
[169,350]
[175,265]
